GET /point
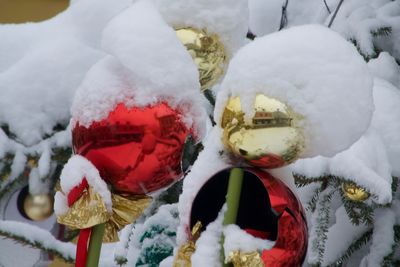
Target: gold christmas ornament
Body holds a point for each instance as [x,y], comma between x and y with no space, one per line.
[271,138]
[207,52]
[38,207]
[354,192]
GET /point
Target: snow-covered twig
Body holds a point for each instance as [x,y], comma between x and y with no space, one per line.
[327,7]
[38,238]
[284,16]
[334,14]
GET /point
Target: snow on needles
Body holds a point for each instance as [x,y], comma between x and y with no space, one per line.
[72,175]
[373,159]
[228,19]
[147,64]
[313,70]
[42,64]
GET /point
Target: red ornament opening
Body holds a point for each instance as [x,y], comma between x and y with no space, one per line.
[268,209]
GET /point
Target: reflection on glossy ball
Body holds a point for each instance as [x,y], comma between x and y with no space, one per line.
[207,52]
[270,139]
[354,192]
[136,150]
[38,207]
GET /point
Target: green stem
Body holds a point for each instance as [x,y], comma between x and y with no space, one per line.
[232,201]
[96,239]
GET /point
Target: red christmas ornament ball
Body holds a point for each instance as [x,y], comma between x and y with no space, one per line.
[136,150]
[268,209]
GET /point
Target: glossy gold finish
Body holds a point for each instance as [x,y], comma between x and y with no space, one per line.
[271,138]
[354,192]
[242,259]
[207,52]
[89,210]
[126,209]
[38,207]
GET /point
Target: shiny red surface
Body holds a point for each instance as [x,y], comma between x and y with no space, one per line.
[269,161]
[291,244]
[136,150]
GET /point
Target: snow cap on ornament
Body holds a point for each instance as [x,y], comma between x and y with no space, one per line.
[136,107]
[305,89]
[212,31]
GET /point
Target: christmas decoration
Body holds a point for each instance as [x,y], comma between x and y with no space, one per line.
[136,150]
[90,210]
[310,71]
[354,192]
[267,210]
[270,139]
[38,207]
[207,52]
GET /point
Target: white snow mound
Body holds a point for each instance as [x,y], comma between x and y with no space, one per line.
[228,19]
[313,70]
[147,65]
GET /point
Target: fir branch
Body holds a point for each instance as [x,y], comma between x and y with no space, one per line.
[312,204]
[382,31]
[13,185]
[389,260]
[356,245]
[395,184]
[323,217]
[302,180]
[46,242]
[358,212]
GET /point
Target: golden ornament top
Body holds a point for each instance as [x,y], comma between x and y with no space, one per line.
[354,192]
[207,52]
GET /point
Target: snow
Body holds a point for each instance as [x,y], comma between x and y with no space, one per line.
[36,234]
[207,164]
[373,159]
[142,238]
[382,238]
[340,235]
[76,169]
[365,163]
[228,19]
[147,64]
[208,246]
[43,63]
[237,239]
[265,16]
[313,70]
[386,120]
[385,68]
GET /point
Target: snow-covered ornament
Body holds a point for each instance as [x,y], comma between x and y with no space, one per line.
[212,31]
[130,119]
[316,73]
[272,138]
[268,212]
[136,150]
[208,54]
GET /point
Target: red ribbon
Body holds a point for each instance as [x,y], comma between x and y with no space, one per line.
[84,234]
